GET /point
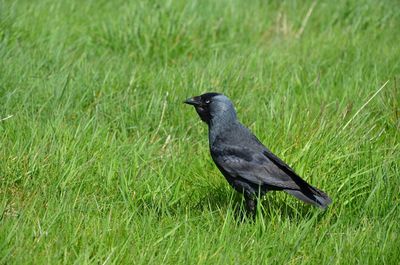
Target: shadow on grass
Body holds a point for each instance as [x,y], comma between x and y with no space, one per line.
[273,204]
[223,200]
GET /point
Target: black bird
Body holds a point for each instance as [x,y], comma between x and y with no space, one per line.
[248,166]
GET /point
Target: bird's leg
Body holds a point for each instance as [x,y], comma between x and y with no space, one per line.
[251,204]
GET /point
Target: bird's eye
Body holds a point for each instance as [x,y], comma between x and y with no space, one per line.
[207,101]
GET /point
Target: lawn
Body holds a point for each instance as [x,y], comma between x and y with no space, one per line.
[102,163]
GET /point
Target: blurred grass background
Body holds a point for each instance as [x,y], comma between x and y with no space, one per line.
[101,163]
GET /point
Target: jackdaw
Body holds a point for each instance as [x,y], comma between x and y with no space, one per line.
[248,166]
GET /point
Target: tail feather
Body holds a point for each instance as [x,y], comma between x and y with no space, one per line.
[312,196]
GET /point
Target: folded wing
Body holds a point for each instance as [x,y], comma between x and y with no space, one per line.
[261,167]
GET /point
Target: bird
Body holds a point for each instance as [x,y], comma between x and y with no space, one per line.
[248,166]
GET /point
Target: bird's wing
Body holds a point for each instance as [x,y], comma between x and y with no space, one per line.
[260,167]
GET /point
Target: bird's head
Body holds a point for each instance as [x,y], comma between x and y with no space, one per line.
[212,105]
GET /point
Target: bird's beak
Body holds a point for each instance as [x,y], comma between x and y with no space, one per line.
[192,101]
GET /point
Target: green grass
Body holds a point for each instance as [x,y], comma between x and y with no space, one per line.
[101,163]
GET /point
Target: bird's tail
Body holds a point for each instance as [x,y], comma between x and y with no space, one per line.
[312,195]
